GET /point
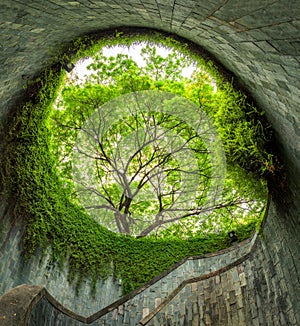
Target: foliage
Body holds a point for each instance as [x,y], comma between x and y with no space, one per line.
[116,192]
[29,175]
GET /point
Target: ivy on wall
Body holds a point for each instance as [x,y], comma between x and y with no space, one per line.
[52,219]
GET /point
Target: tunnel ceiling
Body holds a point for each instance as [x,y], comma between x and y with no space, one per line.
[257,40]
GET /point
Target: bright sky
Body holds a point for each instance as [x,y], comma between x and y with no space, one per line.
[134,51]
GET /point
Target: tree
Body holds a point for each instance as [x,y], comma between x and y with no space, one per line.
[169,67]
[147,161]
[139,159]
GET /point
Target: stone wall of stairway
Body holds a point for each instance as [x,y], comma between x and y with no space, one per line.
[14,271]
[39,270]
[249,287]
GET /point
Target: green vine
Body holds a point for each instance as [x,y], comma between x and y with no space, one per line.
[53,220]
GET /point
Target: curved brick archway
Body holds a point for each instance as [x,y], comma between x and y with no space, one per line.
[258,41]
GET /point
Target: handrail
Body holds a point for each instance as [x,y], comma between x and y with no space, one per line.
[17,303]
[164,303]
[224,269]
[39,292]
[30,295]
[134,293]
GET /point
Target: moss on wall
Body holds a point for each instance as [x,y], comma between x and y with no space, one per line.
[53,219]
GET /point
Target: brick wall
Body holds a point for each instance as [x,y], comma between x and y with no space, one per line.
[254,292]
[257,41]
[251,287]
[14,271]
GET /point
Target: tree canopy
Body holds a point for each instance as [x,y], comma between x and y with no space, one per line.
[46,140]
[144,147]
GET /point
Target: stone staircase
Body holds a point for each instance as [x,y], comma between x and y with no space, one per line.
[233,287]
[173,298]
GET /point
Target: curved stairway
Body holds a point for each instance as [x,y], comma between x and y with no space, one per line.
[176,297]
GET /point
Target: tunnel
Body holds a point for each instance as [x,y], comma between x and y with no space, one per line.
[258,43]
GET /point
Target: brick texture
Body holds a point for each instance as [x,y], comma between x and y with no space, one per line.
[258,42]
